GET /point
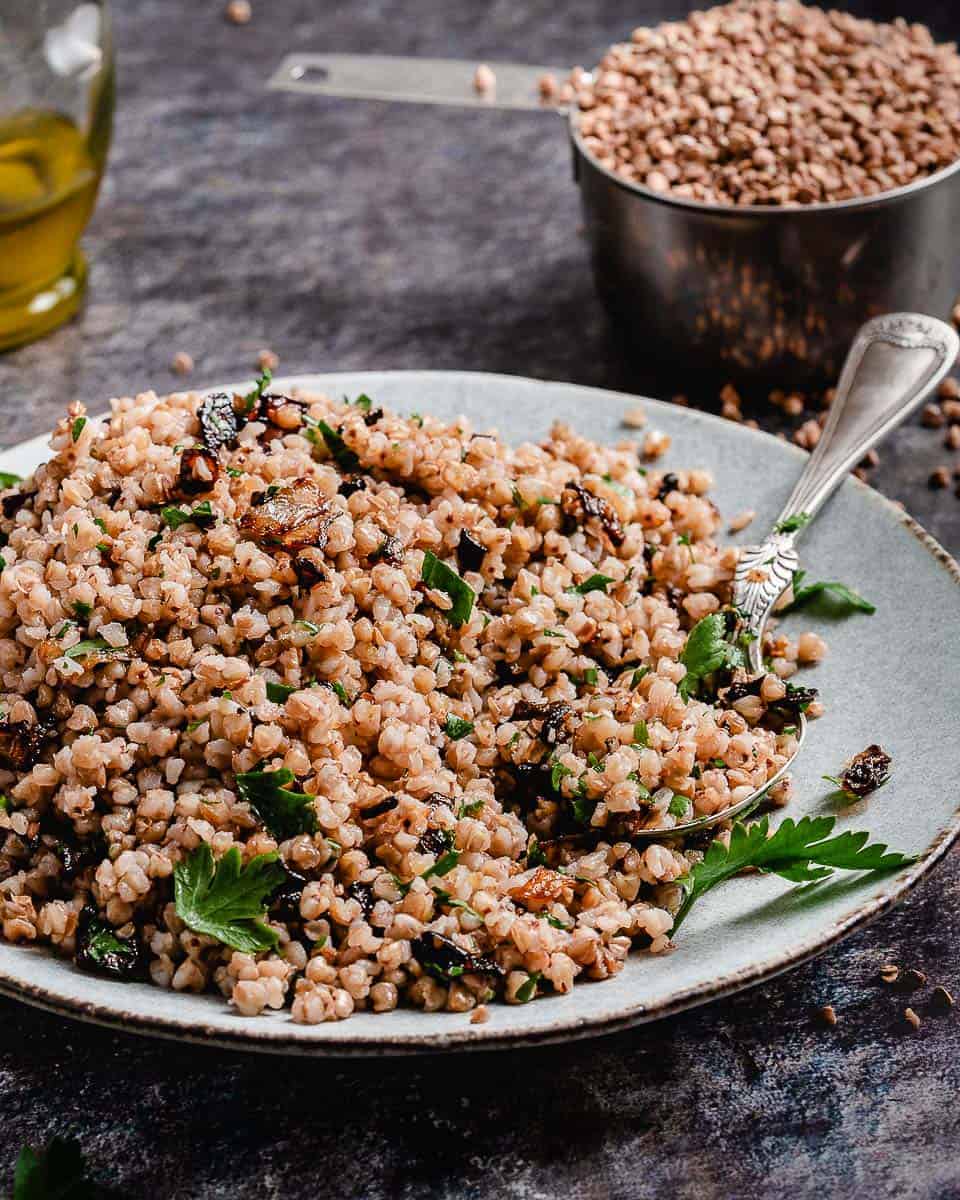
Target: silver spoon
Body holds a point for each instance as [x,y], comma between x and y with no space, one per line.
[895,361]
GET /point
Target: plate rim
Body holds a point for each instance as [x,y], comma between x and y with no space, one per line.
[271,1038]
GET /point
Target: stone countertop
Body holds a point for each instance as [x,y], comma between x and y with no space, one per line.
[351,235]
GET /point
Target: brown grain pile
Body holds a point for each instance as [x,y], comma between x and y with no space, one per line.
[773,102]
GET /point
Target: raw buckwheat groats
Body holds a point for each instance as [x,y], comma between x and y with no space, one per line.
[423,687]
[774,102]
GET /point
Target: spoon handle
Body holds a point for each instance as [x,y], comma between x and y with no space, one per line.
[895,361]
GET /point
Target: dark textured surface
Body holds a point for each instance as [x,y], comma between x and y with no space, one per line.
[349,235]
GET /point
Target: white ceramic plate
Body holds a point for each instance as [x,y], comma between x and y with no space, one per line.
[893,678]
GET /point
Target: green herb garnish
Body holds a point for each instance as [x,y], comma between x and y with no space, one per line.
[9,480]
[201,515]
[82,609]
[278,692]
[801,851]
[678,805]
[437,574]
[57,1172]
[227,900]
[284,812]
[596,583]
[707,650]
[641,735]
[363,402]
[443,866]
[345,458]
[263,382]
[96,646]
[455,728]
[77,428]
[471,809]
[527,990]
[535,856]
[840,599]
[792,524]
[639,673]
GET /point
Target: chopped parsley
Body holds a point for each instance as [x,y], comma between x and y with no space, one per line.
[339,691]
[345,458]
[792,524]
[455,728]
[284,812]
[9,480]
[251,398]
[800,851]
[639,673]
[95,646]
[82,609]
[443,897]
[554,921]
[201,515]
[837,598]
[77,428]
[437,574]
[596,583]
[278,692]
[535,856]
[641,735]
[309,626]
[558,772]
[363,402]
[527,990]
[234,472]
[707,649]
[227,900]
[471,809]
[590,677]
[678,805]
[57,1172]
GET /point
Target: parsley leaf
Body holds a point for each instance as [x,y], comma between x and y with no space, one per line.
[102,649]
[9,480]
[437,574]
[278,692]
[363,402]
[801,851]
[82,609]
[837,597]
[792,524]
[444,864]
[284,812]
[77,428]
[678,805]
[527,990]
[456,728]
[345,458]
[263,382]
[596,583]
[707,650]
[641,735]
[201,515]
[639,673]
[57,1172]
[227,900]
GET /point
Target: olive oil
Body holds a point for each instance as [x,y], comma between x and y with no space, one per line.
[49,176]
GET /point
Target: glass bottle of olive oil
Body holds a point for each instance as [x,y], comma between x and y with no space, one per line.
[51,163]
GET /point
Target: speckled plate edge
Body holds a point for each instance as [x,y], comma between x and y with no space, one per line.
[460,1037]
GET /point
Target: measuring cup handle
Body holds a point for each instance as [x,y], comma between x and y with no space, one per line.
[895,361]
[417,80]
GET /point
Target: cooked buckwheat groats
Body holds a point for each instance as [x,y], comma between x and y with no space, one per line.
[773,102]
[328,708]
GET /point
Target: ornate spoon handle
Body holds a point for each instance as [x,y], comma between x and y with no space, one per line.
[893,363]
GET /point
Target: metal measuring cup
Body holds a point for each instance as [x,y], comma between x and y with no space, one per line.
[765,293]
